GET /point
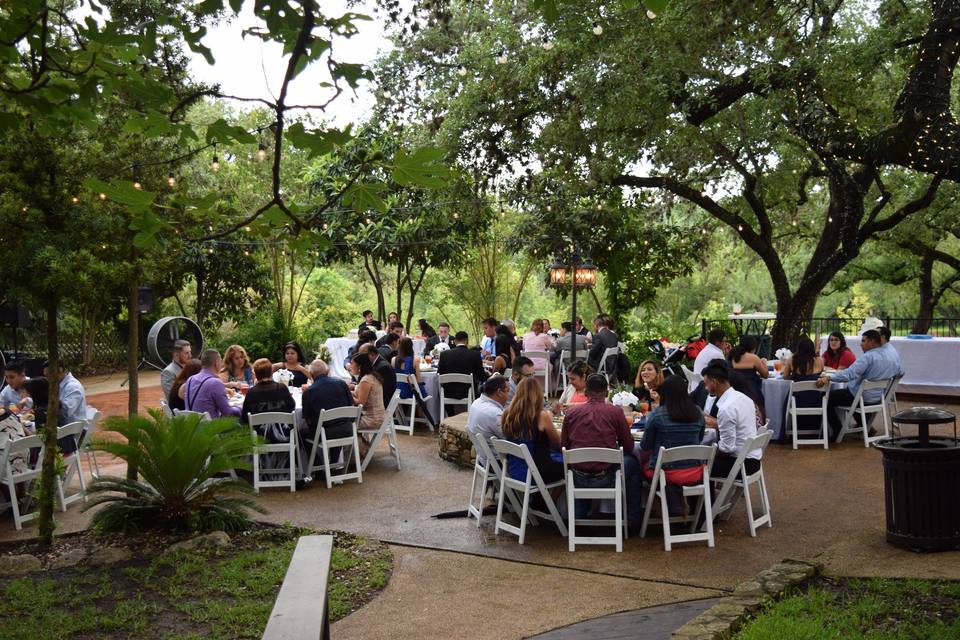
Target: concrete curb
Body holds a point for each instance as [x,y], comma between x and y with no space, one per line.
[723,619]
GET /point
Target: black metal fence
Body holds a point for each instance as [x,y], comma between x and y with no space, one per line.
[109,349]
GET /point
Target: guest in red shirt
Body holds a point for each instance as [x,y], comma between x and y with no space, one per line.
[598,424]
[838,356]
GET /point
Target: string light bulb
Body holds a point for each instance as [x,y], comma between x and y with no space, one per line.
[421,83]
[597,28]
[102,196]
[651,14]
[547,44]
[74,199]
[171,179]
[261,152]
[461,71]
[136,184]
[387,94]
[215,163]
[501,57]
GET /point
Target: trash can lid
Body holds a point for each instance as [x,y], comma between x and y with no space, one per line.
[930,415]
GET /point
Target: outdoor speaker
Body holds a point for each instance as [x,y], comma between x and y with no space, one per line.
[15,316]
[145,299]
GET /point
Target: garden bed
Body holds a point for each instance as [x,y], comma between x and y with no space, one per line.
[222,589]
[862,608]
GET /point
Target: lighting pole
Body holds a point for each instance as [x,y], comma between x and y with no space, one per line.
[582,274]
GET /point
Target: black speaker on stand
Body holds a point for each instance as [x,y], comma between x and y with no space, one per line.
[145,304]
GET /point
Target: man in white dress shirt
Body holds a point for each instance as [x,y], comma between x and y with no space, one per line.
[73,399]
[14,375]
[483,420]
[717,348]
[180,354]
[736,421]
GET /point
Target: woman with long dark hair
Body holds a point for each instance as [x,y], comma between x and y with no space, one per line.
[649,379]
[176,398]
[407,363]
[838,355]
[677,422]
[369,391]
[575,393]
[805,361]
[526,422]
[504,344]
[747,365]
[426,331]
[294,362]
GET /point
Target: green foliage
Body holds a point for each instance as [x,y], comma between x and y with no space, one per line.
[262,335]
[179,459]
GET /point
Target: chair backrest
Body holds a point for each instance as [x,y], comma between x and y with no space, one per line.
[74,429]
[542,356]
[21,445]
[186,412]
[607,353]
[891,391]
[272,417]
[882,383]
[391,409]
[592,454]
[340,413]
[506,448]
[580,355]
[92,414]
[698,452]
[806,385]
[455,378]
[480,444]
[759,441]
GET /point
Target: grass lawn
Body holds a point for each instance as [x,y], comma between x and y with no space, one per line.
[878,609]
[208,593]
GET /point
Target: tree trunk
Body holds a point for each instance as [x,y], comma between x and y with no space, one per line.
[414,290]
[399,308]
[925,311]
[374,274]
[133,350]
[793,316]
[49,432]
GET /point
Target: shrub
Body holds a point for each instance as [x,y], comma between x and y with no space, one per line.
[178,460]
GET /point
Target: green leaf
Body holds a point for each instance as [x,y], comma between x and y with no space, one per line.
[274,215]
[363,196]
[548,8]
[420,168]
[317,142]
[657,6]
[122,192]
[223,133]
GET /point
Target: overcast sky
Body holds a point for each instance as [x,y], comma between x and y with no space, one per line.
[250,68]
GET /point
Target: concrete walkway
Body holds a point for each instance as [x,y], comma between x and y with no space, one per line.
[651,623]
[452,578]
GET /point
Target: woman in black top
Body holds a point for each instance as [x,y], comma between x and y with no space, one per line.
[294,362]
[175,399]
[267,396]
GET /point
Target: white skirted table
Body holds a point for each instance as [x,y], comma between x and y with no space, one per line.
[930,366]
[338,348]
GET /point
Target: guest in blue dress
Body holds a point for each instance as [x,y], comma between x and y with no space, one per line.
[406,363]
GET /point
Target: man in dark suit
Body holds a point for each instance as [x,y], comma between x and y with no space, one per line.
[443,335]
[603,338]
[396,328]
[325,393]
[461,359]
[368,322]
[385,369]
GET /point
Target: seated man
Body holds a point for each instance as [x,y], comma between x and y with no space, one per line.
[369,324]
[598,424]
[461,359]
[14,375]
[326,392]
[564,341]
[483,419]
[488,348]
[73,399]
[885,336]
[443,335]
[876,363]
[604,338]
[389,347]
[205,391]
[736,421]
[179,356]
[396,328]
[716,349]
[522,368]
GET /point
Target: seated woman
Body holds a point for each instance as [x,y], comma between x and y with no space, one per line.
[176,399]
[368,392]
[267,396]
[805,362]
[648,382]
[838,355]
[294,362]
[677,422]
[236,369]
[747,365]
[526,422]
[577,375]
[405,362]
[426,331]
[537,340]
[503,343]
[38,389]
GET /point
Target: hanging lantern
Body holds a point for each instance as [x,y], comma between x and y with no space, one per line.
[586,275]
[558,274]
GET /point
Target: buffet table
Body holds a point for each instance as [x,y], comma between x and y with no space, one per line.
[338,348]
[930,366]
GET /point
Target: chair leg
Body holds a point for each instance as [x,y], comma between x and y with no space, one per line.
[571,517]
[748,501]
[665,515]
[63,501]
[15,505]
[256,470]
[618,511]
[523,512]
[793,420]
[496,525]
[765,498]
[292,459]
[356,459]
[708,508]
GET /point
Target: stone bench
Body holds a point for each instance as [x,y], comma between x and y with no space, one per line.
[300,611]
[455,445]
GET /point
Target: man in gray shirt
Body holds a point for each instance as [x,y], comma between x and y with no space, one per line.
[180,354]
[14,375]
[483,419]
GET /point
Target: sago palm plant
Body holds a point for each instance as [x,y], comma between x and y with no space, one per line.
[178,460]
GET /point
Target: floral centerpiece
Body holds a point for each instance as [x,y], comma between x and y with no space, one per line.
[783,354]
[323,353]
[437,350]
[283,376]
[621,395]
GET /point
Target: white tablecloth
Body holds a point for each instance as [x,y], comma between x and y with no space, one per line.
[930,366]
[339,347]
[776,391]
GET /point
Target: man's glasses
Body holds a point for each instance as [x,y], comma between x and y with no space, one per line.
[526,375]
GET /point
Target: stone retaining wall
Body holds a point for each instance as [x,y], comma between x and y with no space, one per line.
[455,445]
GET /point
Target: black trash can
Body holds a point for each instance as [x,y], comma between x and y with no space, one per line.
[922,484]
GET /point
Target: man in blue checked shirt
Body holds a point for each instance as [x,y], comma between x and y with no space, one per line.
[876,363]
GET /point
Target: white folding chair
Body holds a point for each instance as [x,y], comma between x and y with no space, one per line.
[793,411]
[386,428]
[166,409]
[543,371]
[737,483]
[602,368]
[488,475]
[19,449]
[532,485]
[454,378]
[564,358]
[617,493]
[890,397]
[204,416]
[290,448]
[407,421]
[71,464]
[848,415]
[351,443]
[93,421]
[658,487]
[693,379]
